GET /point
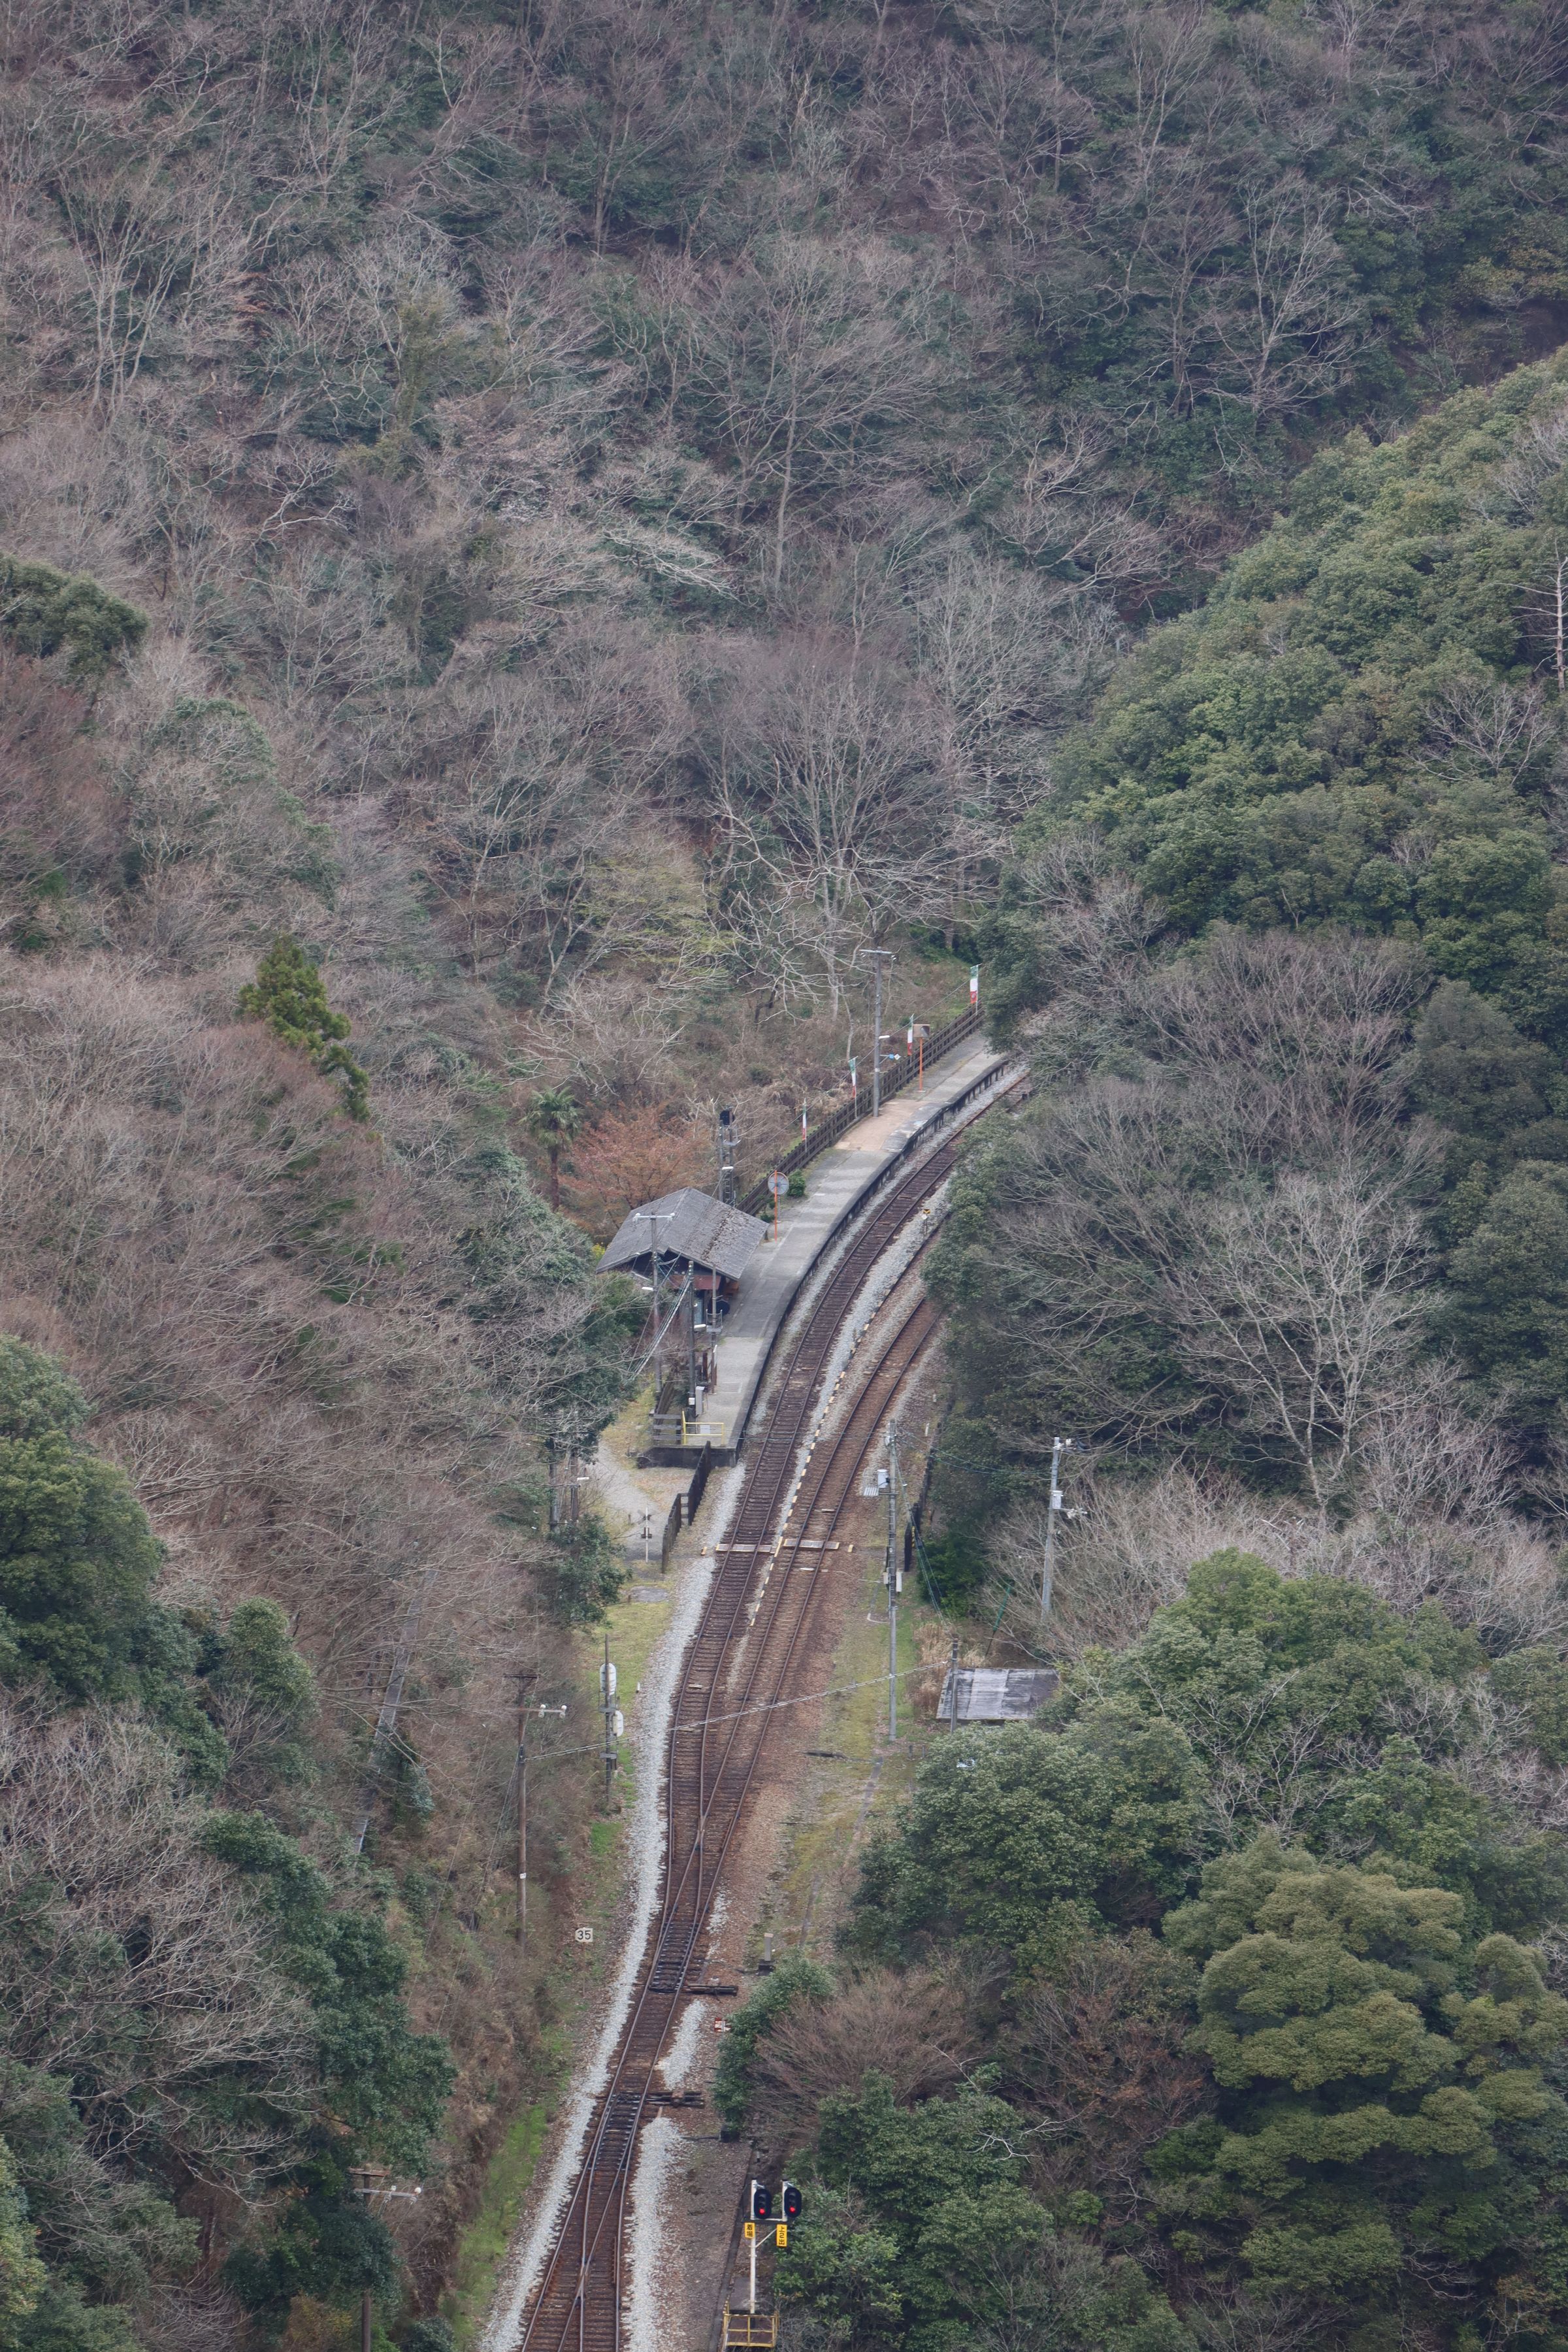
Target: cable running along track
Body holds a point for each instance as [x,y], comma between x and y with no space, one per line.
[739,1664]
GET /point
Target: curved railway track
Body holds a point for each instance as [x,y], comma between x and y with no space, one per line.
[736,1670]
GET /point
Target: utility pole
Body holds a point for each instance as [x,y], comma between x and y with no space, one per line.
[655,1219]
[522,1814]
[1059,1445]
[371,2181]
[607,1688]
[876,958]
[895,1578]
[525,1683]
[549,1447]
[952,1686]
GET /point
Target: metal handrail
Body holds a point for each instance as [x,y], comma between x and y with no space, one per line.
[684,1429]
[838,1122]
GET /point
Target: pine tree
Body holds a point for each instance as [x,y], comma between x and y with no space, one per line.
[289,994]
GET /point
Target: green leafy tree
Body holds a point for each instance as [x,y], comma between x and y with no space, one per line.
[941,2186]
[63,2321]
[1345,733]
[1504,1306]
[554,1121]
[1014,1839]
[289,994]
[1382,2107]
[77,1556]
[588,1570]
[1492,1090]
[385,2085]
[44,612]
[21,2272]
[1536,1681]
[1287,1690]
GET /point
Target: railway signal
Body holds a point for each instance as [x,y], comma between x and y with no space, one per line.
[762,2201]
[791,2201]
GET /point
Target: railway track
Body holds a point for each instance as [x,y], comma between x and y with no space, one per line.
[738,1667]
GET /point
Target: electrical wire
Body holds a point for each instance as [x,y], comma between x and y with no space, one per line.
[839,1690]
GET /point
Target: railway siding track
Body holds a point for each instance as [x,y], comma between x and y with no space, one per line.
[737,1668]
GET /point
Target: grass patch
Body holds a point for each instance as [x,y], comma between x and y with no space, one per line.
[484,2244]
[821,1862]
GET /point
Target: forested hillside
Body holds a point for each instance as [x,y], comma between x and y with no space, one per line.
[528,536]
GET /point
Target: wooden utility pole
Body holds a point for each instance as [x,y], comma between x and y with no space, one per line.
[607,1689]
[876,958]
[525,1683]
[1059,1445]
[895,1578]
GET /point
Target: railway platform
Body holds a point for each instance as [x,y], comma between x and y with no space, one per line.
[837,1182]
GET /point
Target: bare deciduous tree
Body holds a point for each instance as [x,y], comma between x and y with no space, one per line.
[146,1981]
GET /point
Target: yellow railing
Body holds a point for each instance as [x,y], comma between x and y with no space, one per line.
[685,1429]
[749,2328]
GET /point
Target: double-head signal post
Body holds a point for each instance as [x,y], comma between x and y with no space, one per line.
[760,2228]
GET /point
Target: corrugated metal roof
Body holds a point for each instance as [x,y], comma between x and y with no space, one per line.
[696,1227]
[998,1693]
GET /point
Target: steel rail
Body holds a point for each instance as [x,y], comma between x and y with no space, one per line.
[592,2317]
[578,2302]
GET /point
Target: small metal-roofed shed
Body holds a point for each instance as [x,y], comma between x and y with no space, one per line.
[692,1226]
[997,1693]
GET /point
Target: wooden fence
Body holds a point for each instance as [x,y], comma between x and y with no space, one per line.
[683,1510]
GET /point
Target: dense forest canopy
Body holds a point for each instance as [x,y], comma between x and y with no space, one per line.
[528,537]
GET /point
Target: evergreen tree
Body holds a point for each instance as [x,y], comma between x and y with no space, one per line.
[1505,1305]
[1381,2094]
[289,994]
[554,1120]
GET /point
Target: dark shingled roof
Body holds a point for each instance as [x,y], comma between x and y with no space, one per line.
[696,1227]
[998,1693]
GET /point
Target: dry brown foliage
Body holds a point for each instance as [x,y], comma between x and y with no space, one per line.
[1098,2053]
[632,1156]
[103,1884]
[58,813]
[914,2026]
